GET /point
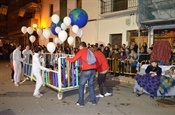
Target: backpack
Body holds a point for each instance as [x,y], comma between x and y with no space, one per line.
[90,57]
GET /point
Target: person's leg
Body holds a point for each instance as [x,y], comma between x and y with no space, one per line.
[123,67]
[119,67]
[19,73]
[22,72]
[15,72]
[105,83]
[83,80]
[100,83]
[91,82]
[12,74]
[38,83]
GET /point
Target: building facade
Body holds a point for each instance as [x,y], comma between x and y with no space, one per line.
[110,21]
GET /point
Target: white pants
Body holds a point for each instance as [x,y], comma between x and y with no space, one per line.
[17,71]
[39,82]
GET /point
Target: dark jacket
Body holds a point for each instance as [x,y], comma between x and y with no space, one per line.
[157,69]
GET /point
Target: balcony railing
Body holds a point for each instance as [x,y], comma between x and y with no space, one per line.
[17,26]
[20,3]
[117,5]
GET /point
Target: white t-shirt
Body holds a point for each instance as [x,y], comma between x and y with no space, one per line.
[27,53]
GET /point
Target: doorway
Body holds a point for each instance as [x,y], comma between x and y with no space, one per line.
[115,39]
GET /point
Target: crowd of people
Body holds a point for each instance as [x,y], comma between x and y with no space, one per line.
[132,54]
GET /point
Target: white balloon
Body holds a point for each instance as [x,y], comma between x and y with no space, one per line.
[62,35]
[63,26]
[51,47]
[32,38]
[80,33]
[57,40]
[30,30]
[75,29]
[47,33]
[39,31]
[70,40]
[57,29]
[55,18]
[67,21]
[24,29]
[42,37]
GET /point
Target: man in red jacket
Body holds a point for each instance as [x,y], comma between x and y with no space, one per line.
[102,69]
[87,74]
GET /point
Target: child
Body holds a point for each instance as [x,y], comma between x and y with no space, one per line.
[36,71]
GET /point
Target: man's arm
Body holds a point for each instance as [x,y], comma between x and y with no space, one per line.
[39,65]
[76,57]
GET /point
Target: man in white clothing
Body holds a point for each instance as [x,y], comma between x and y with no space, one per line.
[26,53]
[17,64]
[36,71]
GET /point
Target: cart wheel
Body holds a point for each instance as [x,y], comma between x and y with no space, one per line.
[84,90]
[60,95]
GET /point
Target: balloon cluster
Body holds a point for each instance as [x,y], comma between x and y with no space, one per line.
[29,30]
[76,20]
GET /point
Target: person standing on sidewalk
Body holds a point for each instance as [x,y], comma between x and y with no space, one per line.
[17,59]
[26,53]
[12,67]
[87,74]
[36,71]
[102,69]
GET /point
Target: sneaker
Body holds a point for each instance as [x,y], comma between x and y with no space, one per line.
[107,94]
[94,104]
[40,95]
[12,80]
[16,84]
[37,96]
[79,104]
[27,78]
[99,95]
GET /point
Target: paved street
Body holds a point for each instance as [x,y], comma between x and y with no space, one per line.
[19,100]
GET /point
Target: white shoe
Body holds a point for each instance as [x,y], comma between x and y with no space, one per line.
[27,78]
[107,94]
[99,95]
[37,96]
[16,84]
[40,95]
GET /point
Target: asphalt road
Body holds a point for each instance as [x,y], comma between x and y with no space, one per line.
[19,100]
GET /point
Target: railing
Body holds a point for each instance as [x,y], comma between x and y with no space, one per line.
[17,26]
[63,77]
[20,3]
[125,66]
[117,5]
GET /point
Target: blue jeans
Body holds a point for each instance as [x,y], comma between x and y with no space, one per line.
[88,75]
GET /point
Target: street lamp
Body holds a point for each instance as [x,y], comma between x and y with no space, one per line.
[34,26]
